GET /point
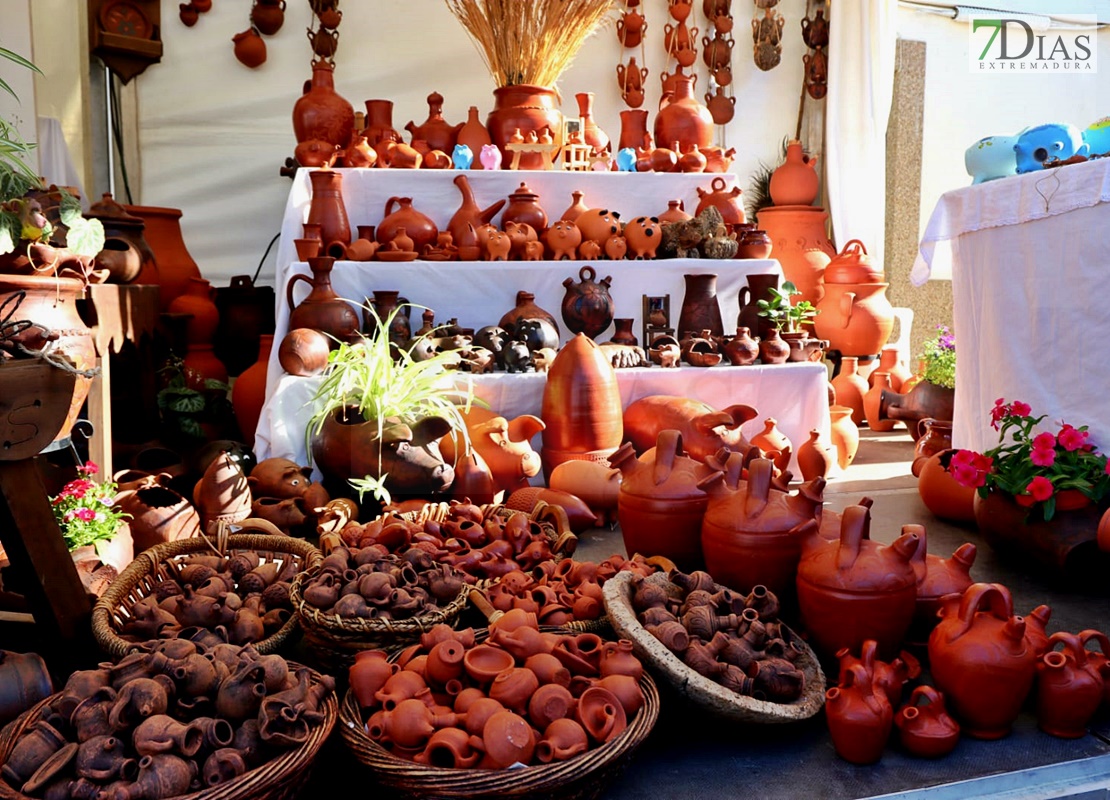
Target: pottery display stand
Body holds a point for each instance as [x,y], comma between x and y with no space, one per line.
[653,332]
[546,151]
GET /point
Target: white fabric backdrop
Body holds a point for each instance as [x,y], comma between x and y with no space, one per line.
[862,45]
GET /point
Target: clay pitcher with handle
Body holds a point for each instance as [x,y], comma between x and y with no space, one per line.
[323,309]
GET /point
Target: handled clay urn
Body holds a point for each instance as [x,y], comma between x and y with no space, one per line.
[925,728]
[856,318]
[727,201]
[399,213]
[322,309]
[1069,687]
[320,114]
[587,306]
[859,718]
[684,119]
[853,265]
[980,658]
[856,589]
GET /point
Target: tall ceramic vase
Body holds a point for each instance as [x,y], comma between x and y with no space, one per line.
[800,244]
[592,134]
[175,266]
[528,109]
[700,309]
[327,210]
[850,388]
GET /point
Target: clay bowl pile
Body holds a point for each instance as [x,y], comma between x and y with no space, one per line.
[368,597]
[240,592]
[173,719]
[485,542]
[680,627]
[512,710]
[567,592]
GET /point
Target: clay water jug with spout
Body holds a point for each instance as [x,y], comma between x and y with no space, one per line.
[322,309]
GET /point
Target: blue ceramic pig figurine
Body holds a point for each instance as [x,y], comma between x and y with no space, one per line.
[991,157]
[1047,143]
[626,159]
[1097,137]
[463,157]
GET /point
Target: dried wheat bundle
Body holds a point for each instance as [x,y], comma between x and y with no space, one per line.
[529,41]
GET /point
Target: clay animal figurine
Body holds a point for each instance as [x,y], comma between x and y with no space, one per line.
[563,239]
[1044,143]
[543,357]
[705,430]
[589,250]
[490,157]
[991,157]
[516,357]
[643,235]
[462,157]
[505,446]
[616,248]
[537,334]
[498,246]
[626,160]
[533,251]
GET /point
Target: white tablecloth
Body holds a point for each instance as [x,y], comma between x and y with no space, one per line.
[1027,276]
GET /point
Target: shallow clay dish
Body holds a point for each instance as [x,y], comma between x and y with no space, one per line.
[706,693]
[396,255]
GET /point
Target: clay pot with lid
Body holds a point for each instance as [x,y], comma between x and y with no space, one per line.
[660,506]
[925,728]
[795,182]
[855,589]
[1069,687]
[726,201]
[979,657]
[856,318]
[524,207]
[752,534]
[853,265]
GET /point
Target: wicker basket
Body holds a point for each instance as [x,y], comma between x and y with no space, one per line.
[164,562]
[696,688]
[579,778]
[335,640]
[280,778]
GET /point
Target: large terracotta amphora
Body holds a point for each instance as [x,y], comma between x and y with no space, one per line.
[855,589]
[327,210]
[752,534]
[660,507]
[320,114]
[581,406]
[801,246]
[980,658]
[322,309]
[795,183]
[587,306]
[528,109]
[856,318]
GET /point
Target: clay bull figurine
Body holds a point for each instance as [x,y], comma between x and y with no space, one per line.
[704,429]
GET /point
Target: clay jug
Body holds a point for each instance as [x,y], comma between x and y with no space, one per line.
[751,534]
[528,109]
[887,677]
[940,492]
[795,183]
[935,436]
[623,333]
[120,225]
[660,506]
[721,107]
[1069,688]
[435,130]
[855,589]
[327,210]
[800,245]
[980,659]
[684,119]
[379,130]
[773,349]
[394,310]
[525,308]
[925,728]
[587,306]
[581,406]
[859,718]
[856,318]
[592,134]
[925,399]
[844,434]
[853,265]
[936,577]
[249,392]
[633,128]
[771,440]
[524,207]
[726,201]
[700,310]
[198,300]
[268,16]
[741,350]
[474,135]
[850,388]
[815,458]
[469,212]
[250,48]
[717,159]
[174,265]
[871,403]
[893,366]
[320,114]
[576,208]
[398,214]
[322,309]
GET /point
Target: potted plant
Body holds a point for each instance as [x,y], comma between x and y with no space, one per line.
[790,319]
[934,393]
[379,413]
[194,409]
[94,529]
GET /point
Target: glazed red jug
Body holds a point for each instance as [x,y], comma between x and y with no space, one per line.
[981,660]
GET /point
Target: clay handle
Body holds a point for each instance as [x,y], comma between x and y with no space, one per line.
[289,287]
[858,247]
[1073,645]
[587,273]
[745,292]
[847,300]
[667,447]
[1098,636]
[855,527]
[998,598]
[759,486]
[713,185]
[929,694]
[389,203]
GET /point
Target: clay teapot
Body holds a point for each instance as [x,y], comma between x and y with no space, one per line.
[795,182]
[980,658]
[727,202]
[853,265]
[398,214]
[469,213]
[435,130]
[854,589]
[631,28]
[587,306]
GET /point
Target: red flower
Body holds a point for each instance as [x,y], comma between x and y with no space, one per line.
[1072,439]
[1040,487]
[998,412]
[1044,441]
[1020,409]
[90,468]
[1107,470]
[969,468]
[1043,457]
[86,514]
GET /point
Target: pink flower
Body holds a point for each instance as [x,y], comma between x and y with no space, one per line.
[86,514]
[1107,470]
[1043,457]
[1019,409]
[1072,439]
[1044,441]
[998,412]
[969,468]
[90,468]
[1040,487]
[968,476]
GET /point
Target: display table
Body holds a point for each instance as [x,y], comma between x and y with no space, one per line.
[1025,255]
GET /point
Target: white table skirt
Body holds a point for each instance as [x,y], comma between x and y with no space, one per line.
[794,394]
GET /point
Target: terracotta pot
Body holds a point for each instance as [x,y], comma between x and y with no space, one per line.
[633,127]
[507,739]
[856,318]
[815,458]
[222,493]
[871,403]
[851,387]
[924,400]
[887,677]
[1069,688]
[592,134]
[322,309]
[924,726]
[528,109]
[469,213]
[473,134]
[601,714]
[700,309]
[859,718]
[758,288]
[399,213]
[121,258]
[320,114]
[891,364]
[379,130]
[562,739]
[162,231]
[52,303]
[389,307]
[268,16]
[660,506]
[721,107]
[587,307]
[674,213]
[581,406]
[120,225]
[198,300]
[800,245]
[844,434]
[940,492]
[773,349]
[853,265]
[25,681]
[934,436]
[741,350]
[684,119]
[751,535]
[795,182]
[980,659]
[524,207]
[201,364]
[727,202]
[328,211]
[250,48]
[248,395]
[855,589]
[304,352]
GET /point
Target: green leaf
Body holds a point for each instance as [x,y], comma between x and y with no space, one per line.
[220,386]
[187,404]
[9,231]
[69,210]
[85,236]
[190,427]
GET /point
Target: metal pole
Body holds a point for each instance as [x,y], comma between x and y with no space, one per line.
[108,106]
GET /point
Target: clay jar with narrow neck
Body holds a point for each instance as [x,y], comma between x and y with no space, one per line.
[1069,688]
[660,506]
[162,231]
[528,109]
[322,309]
[871,403]
[859,717]
[752,534]
[925,727]
[525,308]
[936,577]
[801,246]
[198,300]
[855,589]
[524,207]
[592,134]
[891,363]
[980,659]
[320,114]
[633,128]
[795,183]
[399,213]
[474,135]
[379,130]
[248,395]
[725,200]
[581,406]
[851,388]
[327,210]
[469,212]
[844,434]
[684,119]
